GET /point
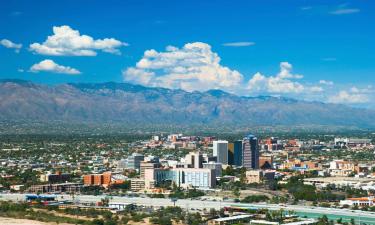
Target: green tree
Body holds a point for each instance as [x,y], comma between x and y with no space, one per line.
[236,192]
[323,220]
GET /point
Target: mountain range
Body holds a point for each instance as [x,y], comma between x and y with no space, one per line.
[117,103]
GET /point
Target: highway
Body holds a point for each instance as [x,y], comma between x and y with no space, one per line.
[346,214]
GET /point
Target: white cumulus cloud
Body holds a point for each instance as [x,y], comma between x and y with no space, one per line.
[52,67]
[316,89]
[353,96]
[281,83]
[9,44]
[68,42]
[193,67]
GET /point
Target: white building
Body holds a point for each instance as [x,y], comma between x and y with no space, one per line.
[183,177]
[364,201]
[352,142]
[194,160]
[220,150]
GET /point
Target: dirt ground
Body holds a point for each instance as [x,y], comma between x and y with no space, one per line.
[12,221]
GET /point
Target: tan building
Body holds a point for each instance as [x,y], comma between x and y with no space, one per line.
[194,159]
[264,160]
[342,165]
[231,153]
[254,176]
[297,163]
[147,165]
[340,173]
[341,168]
[290,163]
[137,184]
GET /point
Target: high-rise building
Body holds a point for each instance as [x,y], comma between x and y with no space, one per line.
[134,161]
[214,166]
[122,164]
[220,150]
[147,165]
[250,159]
[231,153]
[194,159]
[237,145]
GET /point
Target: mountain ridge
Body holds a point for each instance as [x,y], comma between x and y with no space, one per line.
[112,102]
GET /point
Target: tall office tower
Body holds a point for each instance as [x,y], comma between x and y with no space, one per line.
[147,165]
[230,153]
[237,145]
[194,159]
[250,153]
[220,150]
[134,161]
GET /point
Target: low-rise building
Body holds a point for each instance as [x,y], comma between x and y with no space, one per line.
[55,178]
[103,179]
[265,161]
[360,202]
[183,177]
[352,142]
[258,176]
[300,222]
[353,182]
[239,219]
[137,185]
[17,187]
[254,176]
[56,188]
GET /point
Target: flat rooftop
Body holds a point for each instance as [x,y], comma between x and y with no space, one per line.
[239,217]
[339,179]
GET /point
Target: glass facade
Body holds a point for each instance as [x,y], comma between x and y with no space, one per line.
[200,178]
[250,152]
[237,145]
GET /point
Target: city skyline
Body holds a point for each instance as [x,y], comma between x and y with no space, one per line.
[187,112]
[309,50]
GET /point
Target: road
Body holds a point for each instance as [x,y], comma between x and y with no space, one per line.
[346,214]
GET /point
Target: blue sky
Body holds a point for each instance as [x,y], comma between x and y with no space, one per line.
[312,50]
